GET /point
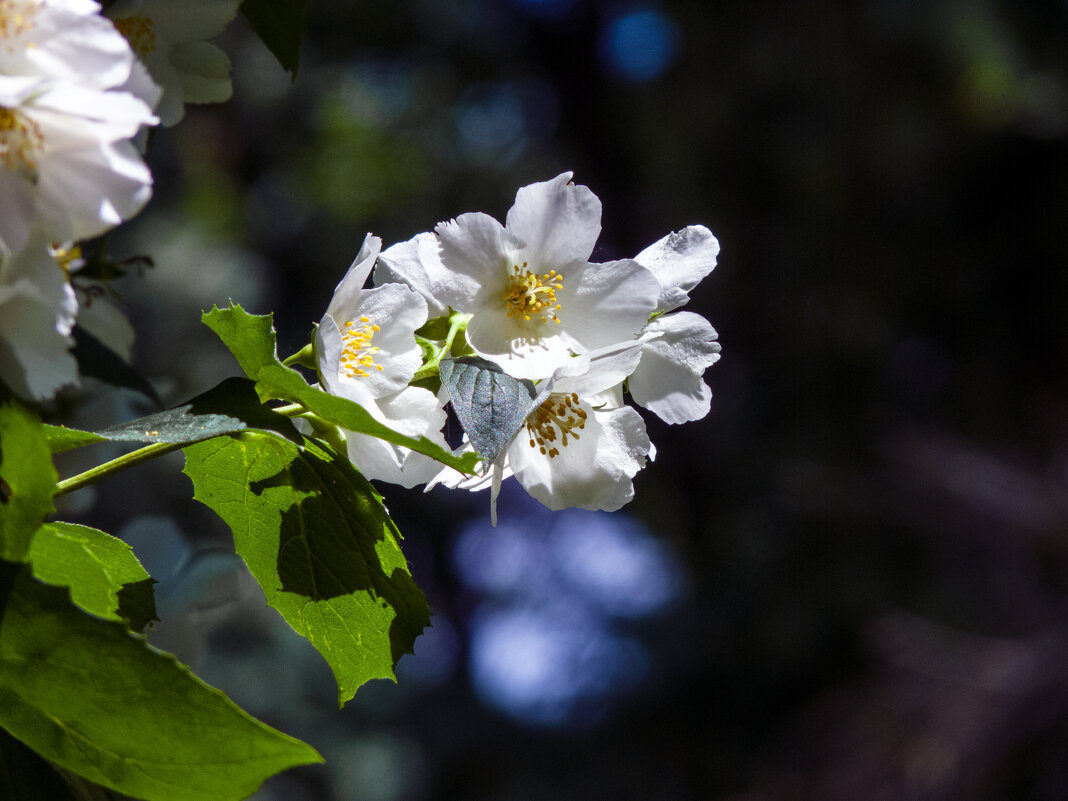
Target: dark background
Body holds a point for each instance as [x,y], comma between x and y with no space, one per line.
[849,581]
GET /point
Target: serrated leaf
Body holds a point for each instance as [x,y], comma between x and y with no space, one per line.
[490,403]
[97,568]
[251,339]
[280,24]
[61,438]
[27,478]
[229,407]
[94,699]
[317,538]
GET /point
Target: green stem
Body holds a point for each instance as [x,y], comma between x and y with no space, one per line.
[94,474]
[457,323]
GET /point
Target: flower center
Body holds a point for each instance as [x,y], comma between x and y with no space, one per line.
[16,20]
[357,352]
[559,413]
[20,141]
[530,294]
[139,33]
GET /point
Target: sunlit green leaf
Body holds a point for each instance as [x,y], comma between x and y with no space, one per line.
[96,700]
[61,438]
[251,339]
[230,407]
[97,568]
[280,24]
[317,538]
[27,478]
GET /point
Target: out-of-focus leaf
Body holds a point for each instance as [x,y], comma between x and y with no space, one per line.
[280,24]
[97,568]
[317,538]
[490,403]
[94,699]
[27,478]
[230,407]
[251,339]
[99,361]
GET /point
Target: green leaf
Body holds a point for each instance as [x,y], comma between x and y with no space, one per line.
[490,403]
[280,24]
[61,438]
[317,538]
[96,700]
[101,571]
[251,339]
[27,478]
[229,407]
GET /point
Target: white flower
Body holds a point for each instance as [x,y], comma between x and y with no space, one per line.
[677,347]
[535,298]
[580,446]
[37,311]
[169,36]
[62,39]
[65,158]
[366,351]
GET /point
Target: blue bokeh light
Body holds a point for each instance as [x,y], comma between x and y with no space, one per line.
[638,45]
[555,591]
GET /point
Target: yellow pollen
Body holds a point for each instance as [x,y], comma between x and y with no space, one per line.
[139,33]
[66,257]
[20,142]
[529,294]
[559,415]
[357,352]
[16,20]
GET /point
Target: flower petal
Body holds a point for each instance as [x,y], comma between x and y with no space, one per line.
[413,411]
[497,337]
[346,294]
[608,303]
[474,246]
[679,261]
[418,264]
[555,223]
[668,379]
[592,472]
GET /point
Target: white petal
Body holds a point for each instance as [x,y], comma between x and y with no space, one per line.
[474,246]
[679,261]
[599,370]
[34,357]
[347,292]
[204,71]
[535,355]
[415,412]
[555,222]
[607,303]
[668,379]
[592,472]
[417,263]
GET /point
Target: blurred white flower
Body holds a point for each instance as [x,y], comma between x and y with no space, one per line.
[37,311]
[677,347]
[366,351]
[535,298]
[65,155]
[170,39]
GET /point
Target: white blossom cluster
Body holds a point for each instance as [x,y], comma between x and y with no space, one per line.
[585,333]
[74,94]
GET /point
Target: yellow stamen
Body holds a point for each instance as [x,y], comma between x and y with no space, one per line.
[530,294]
[357,353]
[16,20]
[559,413]
[20,142]
[139,32]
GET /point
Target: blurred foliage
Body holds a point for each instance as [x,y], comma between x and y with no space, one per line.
[872,522]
